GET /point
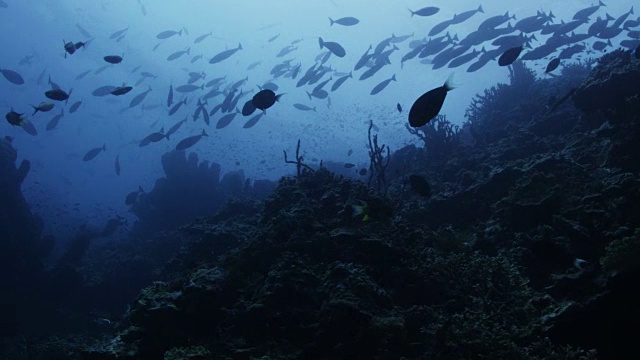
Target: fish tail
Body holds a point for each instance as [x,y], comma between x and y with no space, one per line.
[449,85]
[239,46]
[35,110]
[393,78]
[104,147]
[480,9]
[204,133]
[331,20]
[411,11]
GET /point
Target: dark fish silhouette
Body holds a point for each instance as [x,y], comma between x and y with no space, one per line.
[91,154]
[335,48]
[12,76]
[167,34]
[265,99]
[190,141]
[224,55]
[427,106]
[121,90]
[253,121]
[57,94]
[509,56]
[113,59]
[345,21]
[425,11]
[553,64]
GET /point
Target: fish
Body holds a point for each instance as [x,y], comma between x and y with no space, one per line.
[349,165]
[139,98]
[170,96]
[12,76]
[118,33]
[428,105]
[113,59]
[152,138]
[57,95]
[381,86]
[53,123]
[202,37]
[178,54]
[83,31]
[553,64]
[75,106]
[175,128]
[253,121]
[425,11]
[584,14]
[83,74]
[362,211]
[196,58]
[121,90]
[335,48]
[43,107]
[420,185]
[14,118]
[103,90]
[224,55]
[132,197]
[177,106]
[101,69]
[341,81]
[265,99]
[399,107]
[248,108]
[189,88]
[465,15]
[271,39]
[29,128]
[362,172]
[303,107]
[226,120]
[190,141]
[167,34]
[148,75]
[601,45]
[349,152]
[345,21]
[91,154]
[509,56]
[117,165]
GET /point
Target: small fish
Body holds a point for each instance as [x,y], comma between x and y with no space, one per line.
[509,56]
[139,98]
[381,86]
[553,64]
[335,48]
[121,90]
[91,154]
[253,121]
[226,120]
[361,210]
[177,107]
[178,54]
[349,165]
[12,76]
[53,123]
[224,55]
[84,32]
[271,39]
[103,90]
[118,33]
[170,97]
[148,75]
[113,59]
[341,81]
[190,141]
[152,138]
[167,34]
[202,37]
[399,107]
[189,88]
[425,11]
[15,118]
[303,107]
[175,128]
[428,105]
[57,95]
[83,74]
[43,107]
[349,152]
[345,21]
[29,128]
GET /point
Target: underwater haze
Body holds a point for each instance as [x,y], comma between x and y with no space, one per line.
[122,113]
[60,179]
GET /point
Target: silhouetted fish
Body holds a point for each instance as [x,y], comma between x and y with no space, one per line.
[190,141]
[335,48]
[12,76]
[427,106]
[345,21]
[224,55]
[167,34]
[91,154]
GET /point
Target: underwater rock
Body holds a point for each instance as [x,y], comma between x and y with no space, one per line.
[612,85]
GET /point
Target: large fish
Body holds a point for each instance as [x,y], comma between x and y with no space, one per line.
[12,76]
[428,105]
[167,34]
[139,98]
[335,48]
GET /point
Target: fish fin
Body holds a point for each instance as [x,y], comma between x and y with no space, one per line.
[331,20]
[449,85]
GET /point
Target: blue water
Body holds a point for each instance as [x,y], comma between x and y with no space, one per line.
[68,192]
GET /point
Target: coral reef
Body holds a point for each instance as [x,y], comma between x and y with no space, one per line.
[190,188]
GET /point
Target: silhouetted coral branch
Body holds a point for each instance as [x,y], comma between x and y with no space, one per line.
[299,160]
[378,165]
